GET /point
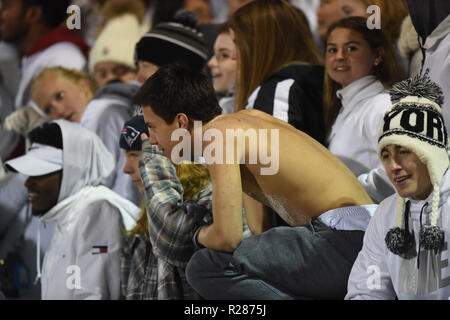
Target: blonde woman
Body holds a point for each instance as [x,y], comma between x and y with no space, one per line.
[69,94]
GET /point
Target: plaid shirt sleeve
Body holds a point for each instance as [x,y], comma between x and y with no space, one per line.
[170,228]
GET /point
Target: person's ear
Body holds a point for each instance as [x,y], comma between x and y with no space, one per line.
[379,56]
[33,14]
[182,121]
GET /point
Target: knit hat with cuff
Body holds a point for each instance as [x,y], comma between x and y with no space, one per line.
[415,122]
[130,136]
[175,41]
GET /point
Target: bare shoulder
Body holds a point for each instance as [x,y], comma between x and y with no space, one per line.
[242,119]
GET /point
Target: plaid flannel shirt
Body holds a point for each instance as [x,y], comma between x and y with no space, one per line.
[156,270]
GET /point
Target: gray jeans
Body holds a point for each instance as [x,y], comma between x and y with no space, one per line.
[311,262]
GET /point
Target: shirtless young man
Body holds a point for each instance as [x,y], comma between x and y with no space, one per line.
[311,190]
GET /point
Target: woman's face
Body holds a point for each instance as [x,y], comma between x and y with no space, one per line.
[60,98]
[328,12]
[349,57]
[223,63]
[352,8]
[106,71]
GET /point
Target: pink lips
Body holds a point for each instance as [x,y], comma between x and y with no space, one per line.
[401,181]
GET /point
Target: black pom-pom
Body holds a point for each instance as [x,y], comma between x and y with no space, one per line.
[419,86]
[187,18]
[431,238]
[401,242]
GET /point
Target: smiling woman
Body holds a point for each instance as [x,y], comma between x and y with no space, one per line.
[359,64]
[224,68]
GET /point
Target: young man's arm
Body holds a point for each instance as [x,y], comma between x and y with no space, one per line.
[225,233]
[259,217]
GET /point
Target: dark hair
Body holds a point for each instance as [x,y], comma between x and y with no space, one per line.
[49,134]
[54,12]
[176,88]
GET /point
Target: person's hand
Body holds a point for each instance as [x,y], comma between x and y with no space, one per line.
[23,120]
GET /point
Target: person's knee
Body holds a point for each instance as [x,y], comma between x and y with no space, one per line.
[195,266]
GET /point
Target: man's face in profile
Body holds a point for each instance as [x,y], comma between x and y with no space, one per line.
[43,192]
[13,26]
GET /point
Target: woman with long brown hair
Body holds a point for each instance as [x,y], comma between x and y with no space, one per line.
[360,65]
[280,71]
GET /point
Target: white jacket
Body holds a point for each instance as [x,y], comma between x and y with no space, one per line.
[354,135]
[83,261]
[437,60]
[379,274]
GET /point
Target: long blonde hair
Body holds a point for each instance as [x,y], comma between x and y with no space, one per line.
[193,177]
[269,35]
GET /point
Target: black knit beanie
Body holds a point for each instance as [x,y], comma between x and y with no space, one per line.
[176,41]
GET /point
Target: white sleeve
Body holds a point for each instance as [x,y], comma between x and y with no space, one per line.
[376,181]
[98,251]
[377,184]
[370,278]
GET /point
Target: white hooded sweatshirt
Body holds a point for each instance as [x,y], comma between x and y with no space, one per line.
[379,274]
[437,61]
[354,135]
[83,261]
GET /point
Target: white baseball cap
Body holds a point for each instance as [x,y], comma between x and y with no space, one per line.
[38,161]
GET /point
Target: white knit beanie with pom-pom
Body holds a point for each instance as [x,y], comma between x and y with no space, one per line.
[415,122]
[121,31]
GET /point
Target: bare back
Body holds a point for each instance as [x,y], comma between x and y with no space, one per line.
[309,180]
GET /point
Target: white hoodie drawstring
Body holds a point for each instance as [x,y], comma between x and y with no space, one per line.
[38,254]
[38,249]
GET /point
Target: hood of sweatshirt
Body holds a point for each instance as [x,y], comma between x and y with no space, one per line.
[86,160]
[118,90]
[427,17]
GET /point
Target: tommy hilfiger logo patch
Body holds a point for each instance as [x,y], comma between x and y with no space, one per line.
[99,249]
